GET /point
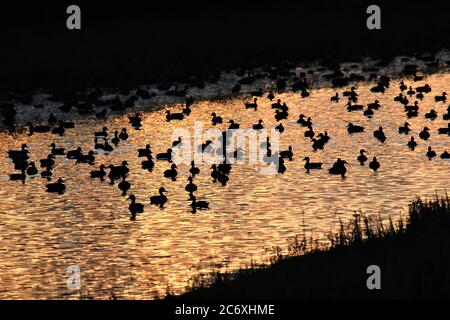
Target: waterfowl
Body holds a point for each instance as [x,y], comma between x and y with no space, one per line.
[19,154]
[301,120]
[107,147]
[414,107]
[134,207]
[317,144]
[37,129]
[431,153]
[304,93]
[445,155]
[424,89]
[103,133]
[281,167]
[116,138]
[99,173]
[378,89]
[32,170]
[194,170]
[98,145]
[374,164]
[424,134]
[442,98]
[280,128]
[402,86]
[412,144]
[379,134]
[171,173]
[335,98]
[190,187]
[123,134]
[309,133]
[351,128]
[186,110]
[159,200]
[47,173]
[59,130]
[135,120]
[280,115]
[350,93]
[257,93]
[444,130]
[374,105]
[431,115]
[124,186]
[362,157]
[165,155]
[324,137]
[354,107]
[89,158]
[368,112]
[57,187]
[233,125]
[270,96]
[74,154]
[287,154]
[405,129]
[145,152]
[215,119]
[56,151]
[251,105]
[276,105]
[410,91]
[174,116]
[338,168]
[259,125]
[148,164]
[311,165]
[203,205]
[18,176]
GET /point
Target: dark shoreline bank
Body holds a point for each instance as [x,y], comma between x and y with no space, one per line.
[193,44]
[414,260]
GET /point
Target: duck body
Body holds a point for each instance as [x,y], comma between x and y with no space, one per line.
[160,199]
[57,187]
[351,128]
[312,165]
[374,164]
[171,173]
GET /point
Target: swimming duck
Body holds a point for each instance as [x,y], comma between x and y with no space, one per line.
[350,93]
[431,115]
[186,110]
[134,207]
[19,154]
[379,134]
[338,168]
[190,187]
[171,173]
[410,92]
[276,105]
[56,151]
[47,173]
[270,96]
[259,125]
[215,119]
[159,200]
[311,165]
[335,98]
[280,115]
[405,129]
[145,152]
[374,164]
[103,133]
[424,134]
[351,128]
[124,186]
[194,170]
[59,130]
[74,154]
[174,116]
[412,144]
[89,158]
[444,130]
[18,176]
[403,87]
[148,164]
[305,123]
[442,98]
[304,93]
[57,187]
[203,205]
[354,107]
[280,128]
[100,173]
[431,153]
[123,134]
[37,129]
[378,89]
[317,144]
[309,133]
[32,170]
[362,157]
[251,105]
[165,155]
[233,125]
[374,105]
[98,145]
[116,138]
[288,154]
[281,167]
[368,112]
[445,155]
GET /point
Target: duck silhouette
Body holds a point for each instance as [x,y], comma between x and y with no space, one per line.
[441,98]
[270,96]
[338,168]
[281,166]
[202,205]
[171,173]
[259,125]
[224,167]
[116,138]
[32,170]
[190,187]
[123,134]
[165,156]
[431,115]
[362,157]
[279,128]
[99,173]
[194,170]
[288,154]
[134,207]
[148,164]
[89,158]
[379,134]
[57,187]
[19,154]
[335,98]
[103,133]
[309,133]
[252,105]
[60,130]
[18,176]
[47,173]
[445,155]
[37,129]
[444,130]
[374,164]
[56,151]
[160,199]
[145,152]
[351,128]
[431,153]
[276,105]
[311,165]
[218,176]
[424,134]
[124,186]
[354,107]
[412,144]
[75,154]
[404,129]
[233,125]
[215,119]
[174,116]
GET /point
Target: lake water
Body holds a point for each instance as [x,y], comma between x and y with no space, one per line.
[42,234]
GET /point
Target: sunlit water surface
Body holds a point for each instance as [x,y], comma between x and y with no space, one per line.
[42,234]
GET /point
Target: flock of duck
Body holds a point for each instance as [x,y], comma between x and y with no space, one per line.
[102,140]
